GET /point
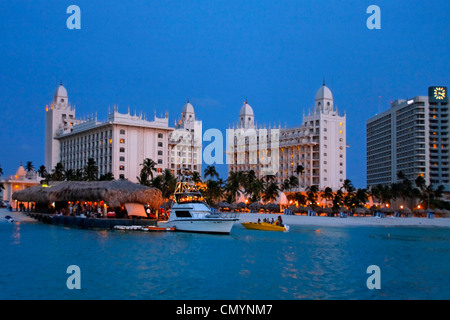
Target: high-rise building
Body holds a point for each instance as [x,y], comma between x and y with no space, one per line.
[318,145]
[411,137]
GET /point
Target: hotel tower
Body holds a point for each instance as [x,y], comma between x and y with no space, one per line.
[318,144]
[412,137]
[121,143]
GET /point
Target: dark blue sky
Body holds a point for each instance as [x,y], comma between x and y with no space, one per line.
[156,54]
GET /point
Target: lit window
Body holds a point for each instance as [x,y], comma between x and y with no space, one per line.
[340,123]
[122,168]
[122,140]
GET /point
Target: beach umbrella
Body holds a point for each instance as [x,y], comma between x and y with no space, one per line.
[360,211]
[446,213]
[326,210]
[419,212]
[241,205]
[223,204]
[405,211]
[273,207]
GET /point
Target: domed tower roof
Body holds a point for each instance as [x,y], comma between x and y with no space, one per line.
[246,110]
[188,108]
[61,92]
[60,100]
[324,93]
[246,116]
[324,99]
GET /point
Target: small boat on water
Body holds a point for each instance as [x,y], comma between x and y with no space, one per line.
[151,228]
[265,226]
[131,228]
[9,218]
[142,228]
[190,213]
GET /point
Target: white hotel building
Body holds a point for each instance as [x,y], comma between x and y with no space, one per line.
[121,143]
[318,144]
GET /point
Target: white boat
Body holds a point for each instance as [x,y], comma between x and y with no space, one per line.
[190,213]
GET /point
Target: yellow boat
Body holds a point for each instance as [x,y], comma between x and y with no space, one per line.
[264,226]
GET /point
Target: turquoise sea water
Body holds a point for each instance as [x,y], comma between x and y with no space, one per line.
[305,263]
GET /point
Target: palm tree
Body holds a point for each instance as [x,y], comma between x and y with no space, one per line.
[70,175]
[211,172]
[91,170]
[271,191]
[29,167]
[299,170]
[213,190]
[361,197]
[327,194]
[300,198]
[58,172]
[285,186]
[338,200]
[42,171]
[166,182]
[148,167]
[143,178]
[233,185]
[109,176]
[256,189]
[196,177]
[312,194]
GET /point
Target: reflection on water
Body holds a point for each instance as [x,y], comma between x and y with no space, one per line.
[16,233]
[305,263]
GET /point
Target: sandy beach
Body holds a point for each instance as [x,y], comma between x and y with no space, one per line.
[17,216]
[349,221]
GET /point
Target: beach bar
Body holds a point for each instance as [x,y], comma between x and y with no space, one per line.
[92,205]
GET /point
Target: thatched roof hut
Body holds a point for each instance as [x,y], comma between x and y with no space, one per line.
[114,193]
[223,204]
